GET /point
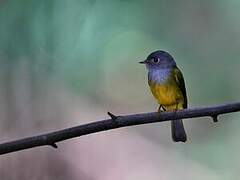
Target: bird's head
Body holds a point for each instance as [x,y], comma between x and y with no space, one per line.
[159,60]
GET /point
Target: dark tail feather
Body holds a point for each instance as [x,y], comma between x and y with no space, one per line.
[178,132]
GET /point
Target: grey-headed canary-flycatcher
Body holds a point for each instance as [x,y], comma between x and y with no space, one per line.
[167,85]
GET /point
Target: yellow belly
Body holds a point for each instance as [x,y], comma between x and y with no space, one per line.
[168,95]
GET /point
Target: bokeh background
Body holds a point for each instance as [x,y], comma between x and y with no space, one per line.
[65,63]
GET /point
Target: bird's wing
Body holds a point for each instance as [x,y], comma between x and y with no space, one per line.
[181,84]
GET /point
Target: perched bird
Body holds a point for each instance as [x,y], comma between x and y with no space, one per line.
[167,85]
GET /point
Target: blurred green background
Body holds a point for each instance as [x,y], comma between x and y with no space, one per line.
[65,63]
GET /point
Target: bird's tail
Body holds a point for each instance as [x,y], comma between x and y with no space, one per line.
[178,132]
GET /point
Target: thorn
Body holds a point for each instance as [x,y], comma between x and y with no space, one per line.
[113,117]
[215,118]
[54,145]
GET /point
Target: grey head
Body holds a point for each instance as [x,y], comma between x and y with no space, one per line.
[159,60]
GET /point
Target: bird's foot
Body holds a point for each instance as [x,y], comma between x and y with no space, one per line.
[161,109]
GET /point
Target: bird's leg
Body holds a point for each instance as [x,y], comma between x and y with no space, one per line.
[176,108]
[161,110]
[164,109]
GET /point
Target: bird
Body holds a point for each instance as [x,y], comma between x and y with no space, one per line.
[168,88]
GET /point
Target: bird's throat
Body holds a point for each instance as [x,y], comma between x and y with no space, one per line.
[159,76]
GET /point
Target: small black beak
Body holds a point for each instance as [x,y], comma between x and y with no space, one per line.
[143,62]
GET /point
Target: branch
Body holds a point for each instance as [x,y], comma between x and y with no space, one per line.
[115,122]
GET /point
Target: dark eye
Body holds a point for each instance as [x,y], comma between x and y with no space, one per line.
[155,60]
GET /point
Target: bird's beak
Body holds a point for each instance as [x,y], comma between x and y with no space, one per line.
[143,62]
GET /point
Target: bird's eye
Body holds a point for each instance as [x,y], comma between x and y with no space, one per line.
[156,60]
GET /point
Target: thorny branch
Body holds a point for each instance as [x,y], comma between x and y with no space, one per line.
[52,138]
